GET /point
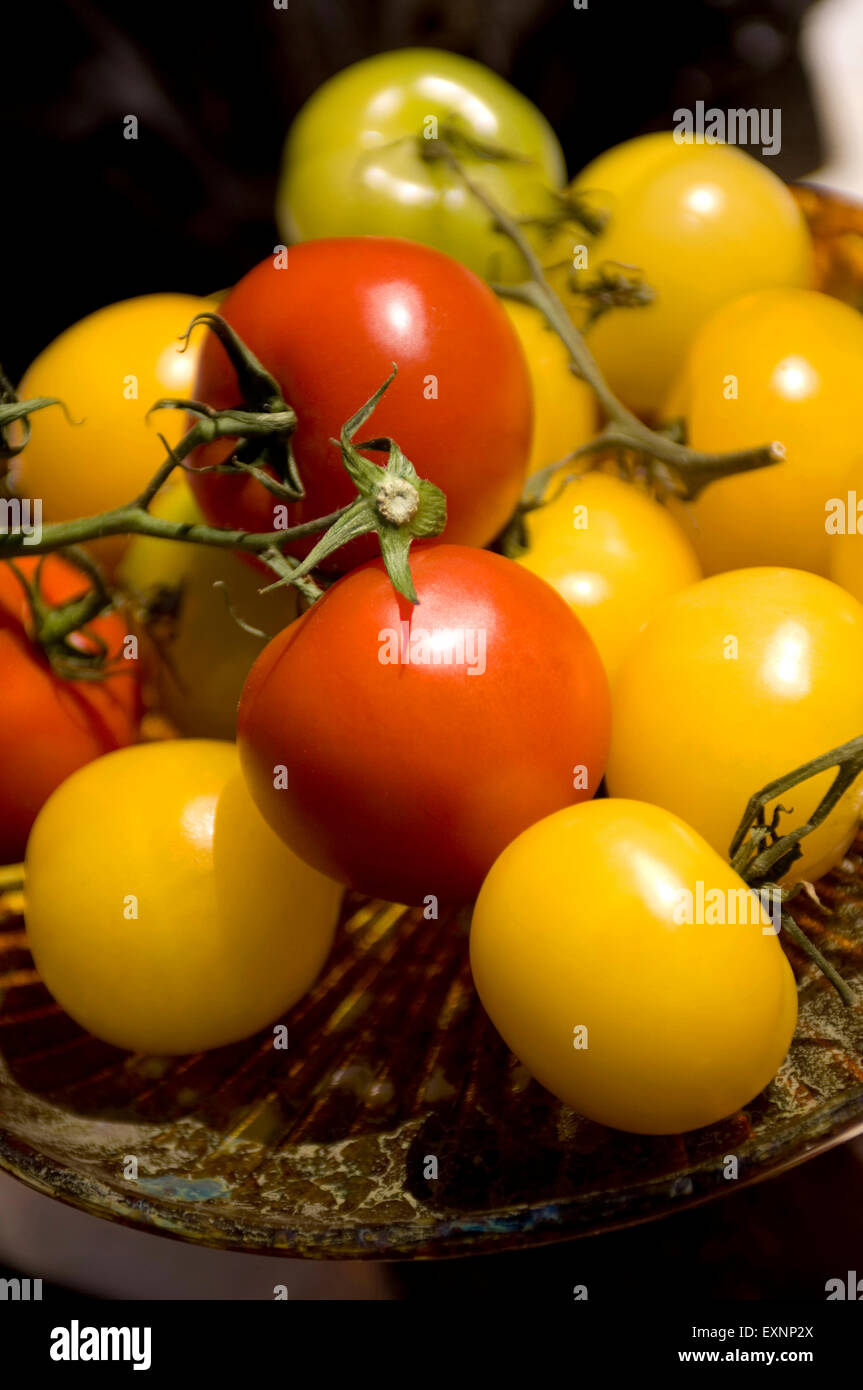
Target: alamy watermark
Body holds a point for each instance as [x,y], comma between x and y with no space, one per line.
[720,907]
[21,516]
[712,126]
[411,645]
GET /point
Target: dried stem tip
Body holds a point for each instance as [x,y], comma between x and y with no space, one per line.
[397,500]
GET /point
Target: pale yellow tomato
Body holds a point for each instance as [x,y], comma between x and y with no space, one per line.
[197,656]
[163,914]
[781,365]
[704,224]
[564,407]
[732,683]
[630,969]
[613,553]
[108,369]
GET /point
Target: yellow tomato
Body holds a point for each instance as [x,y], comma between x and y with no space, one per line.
[732,683]
[200,657]
[780,365]
[599,964]
[162,912]
[108,369]
[564,406]
[603,181]
[704,224]
[613,553]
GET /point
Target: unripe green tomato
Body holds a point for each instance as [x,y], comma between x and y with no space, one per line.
[353,159]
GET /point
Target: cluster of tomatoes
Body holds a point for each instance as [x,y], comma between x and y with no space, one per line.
[183,892]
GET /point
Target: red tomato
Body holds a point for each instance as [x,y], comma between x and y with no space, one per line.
[417,742]
[329,327]
[51,726]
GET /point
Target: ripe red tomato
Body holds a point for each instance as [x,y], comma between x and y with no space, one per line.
[51,726]
[329,327]
[415,743]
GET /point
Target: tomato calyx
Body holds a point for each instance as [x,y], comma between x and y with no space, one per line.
[614,286]
[571,208]
[454,140]
[392,501]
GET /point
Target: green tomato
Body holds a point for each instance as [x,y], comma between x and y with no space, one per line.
[353,158]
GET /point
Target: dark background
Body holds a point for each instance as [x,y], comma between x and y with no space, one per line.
[90,217]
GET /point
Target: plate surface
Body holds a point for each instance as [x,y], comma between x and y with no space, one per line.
[324,1149]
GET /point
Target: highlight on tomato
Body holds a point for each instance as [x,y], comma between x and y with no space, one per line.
[328,319]
[783,365]
[52,724]
[398,749]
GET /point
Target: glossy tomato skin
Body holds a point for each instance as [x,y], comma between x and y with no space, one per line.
[329,328]
[108,369]
[406,780]
[733,682]
[353,159]
[613,553]
[583,933]
[704,224]
[780,365]
[195,926]
[51,726]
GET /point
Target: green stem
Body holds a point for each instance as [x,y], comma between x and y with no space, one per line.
[748,857]
[760,855]
[801,940]
[135,520]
